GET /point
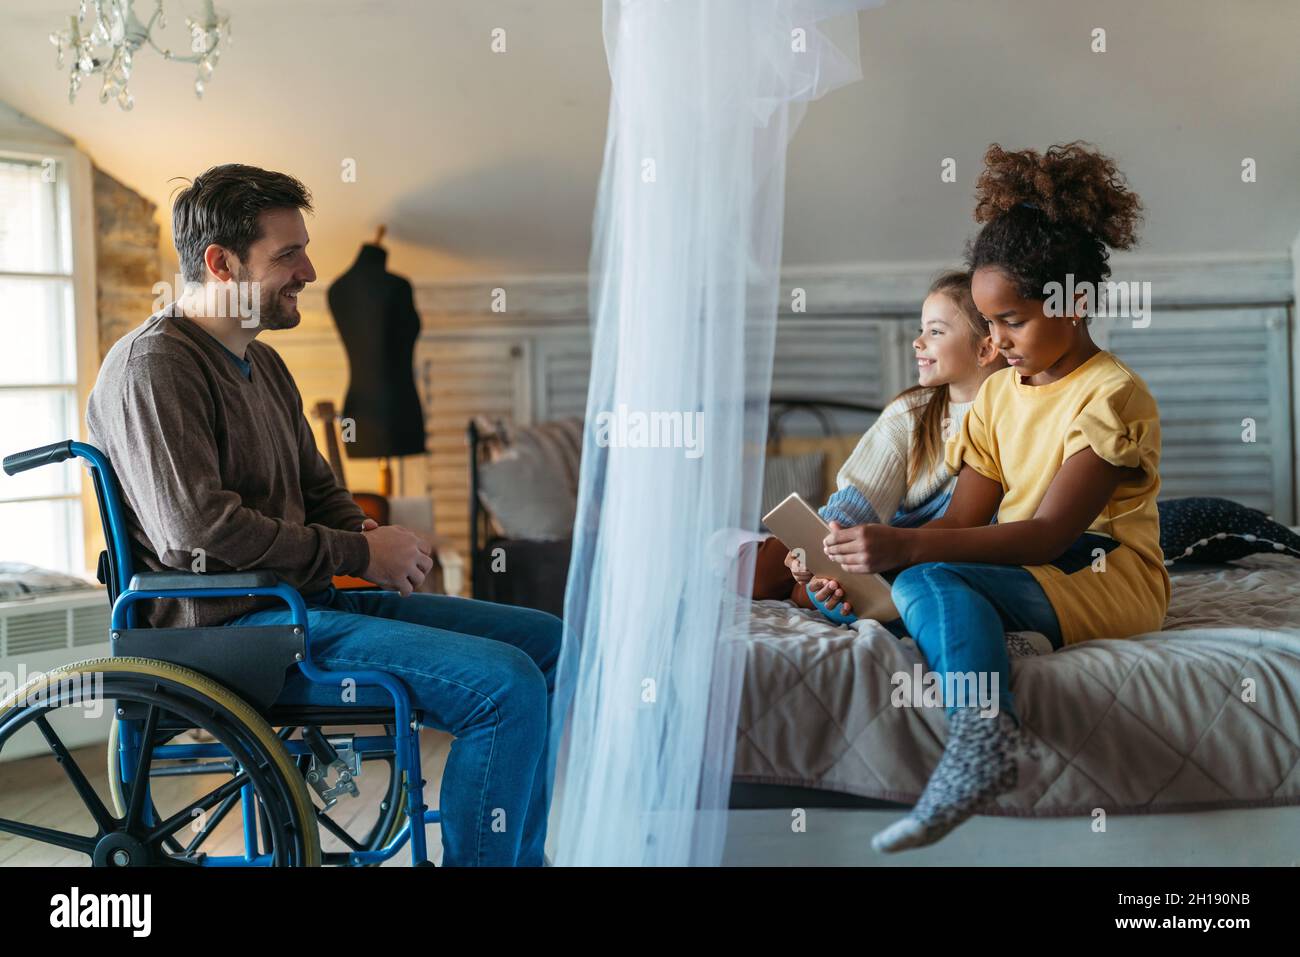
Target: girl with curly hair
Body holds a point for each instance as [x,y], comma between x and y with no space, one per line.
[1063,447]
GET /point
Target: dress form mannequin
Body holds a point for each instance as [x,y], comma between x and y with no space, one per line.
[376,318]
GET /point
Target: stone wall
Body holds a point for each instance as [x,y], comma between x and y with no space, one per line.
[127,261]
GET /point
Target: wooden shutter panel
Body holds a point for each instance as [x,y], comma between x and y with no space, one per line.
[460,378]
[1210,369]
[562,364]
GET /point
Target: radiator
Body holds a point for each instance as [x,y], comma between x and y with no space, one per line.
[39,634]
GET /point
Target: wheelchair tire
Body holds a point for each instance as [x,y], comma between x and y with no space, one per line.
[198,701]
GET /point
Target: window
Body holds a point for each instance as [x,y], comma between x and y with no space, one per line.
[41,511]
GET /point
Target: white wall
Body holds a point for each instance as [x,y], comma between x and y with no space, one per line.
[484,163]
[15,125]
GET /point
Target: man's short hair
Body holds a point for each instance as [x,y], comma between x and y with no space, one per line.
[222,205]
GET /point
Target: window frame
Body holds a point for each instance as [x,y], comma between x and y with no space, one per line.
[76,195]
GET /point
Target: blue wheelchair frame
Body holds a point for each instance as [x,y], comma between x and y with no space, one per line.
[404,744]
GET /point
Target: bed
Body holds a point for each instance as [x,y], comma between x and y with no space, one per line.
[816,728]
[526,512]
[20,581]
[1203,715]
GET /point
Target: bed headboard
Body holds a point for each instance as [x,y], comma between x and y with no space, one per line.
[483,436]
[780,406]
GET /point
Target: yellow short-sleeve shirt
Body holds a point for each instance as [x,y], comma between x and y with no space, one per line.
[1112,582]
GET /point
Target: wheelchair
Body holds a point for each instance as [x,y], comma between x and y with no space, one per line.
[168,683]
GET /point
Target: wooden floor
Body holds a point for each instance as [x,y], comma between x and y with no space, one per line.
[839,837]
[37,791]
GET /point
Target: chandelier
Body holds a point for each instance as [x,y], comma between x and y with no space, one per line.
[104,35]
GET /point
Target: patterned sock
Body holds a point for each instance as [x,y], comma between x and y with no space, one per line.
[978,764]
[1026,644]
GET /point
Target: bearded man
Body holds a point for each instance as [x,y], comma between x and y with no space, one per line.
[205,428]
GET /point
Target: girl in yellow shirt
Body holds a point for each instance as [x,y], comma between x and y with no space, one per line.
[1062,447]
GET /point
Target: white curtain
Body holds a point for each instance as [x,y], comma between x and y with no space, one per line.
[684,283]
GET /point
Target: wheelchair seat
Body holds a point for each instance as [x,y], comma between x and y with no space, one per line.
[314,715]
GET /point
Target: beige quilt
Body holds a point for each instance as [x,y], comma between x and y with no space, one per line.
[1202,715]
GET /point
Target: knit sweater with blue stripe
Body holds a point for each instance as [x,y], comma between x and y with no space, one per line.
[872,484]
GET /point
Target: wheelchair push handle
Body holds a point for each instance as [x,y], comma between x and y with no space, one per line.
[35,458]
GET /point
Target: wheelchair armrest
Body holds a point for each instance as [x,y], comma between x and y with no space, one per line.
[177,584]
[193,581]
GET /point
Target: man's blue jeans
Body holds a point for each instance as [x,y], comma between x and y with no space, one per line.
[480,671]
[958,614]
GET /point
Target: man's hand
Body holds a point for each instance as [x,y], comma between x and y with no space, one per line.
[399,559]
[369,524]
[867,549]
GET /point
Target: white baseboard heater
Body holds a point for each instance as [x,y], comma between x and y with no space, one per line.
[39,634]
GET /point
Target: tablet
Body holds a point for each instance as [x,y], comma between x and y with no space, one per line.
[798,526]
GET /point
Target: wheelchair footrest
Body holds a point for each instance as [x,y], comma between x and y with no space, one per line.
[333,754]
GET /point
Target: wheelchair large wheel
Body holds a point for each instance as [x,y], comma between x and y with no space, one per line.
[169,698]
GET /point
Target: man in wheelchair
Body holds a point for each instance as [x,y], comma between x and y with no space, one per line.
[219,472]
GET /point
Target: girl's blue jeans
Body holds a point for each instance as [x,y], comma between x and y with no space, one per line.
[481,671]
[958,614]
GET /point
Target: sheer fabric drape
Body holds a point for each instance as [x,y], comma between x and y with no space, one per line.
[684,283]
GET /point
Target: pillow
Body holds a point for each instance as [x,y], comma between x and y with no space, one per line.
[838,448]
[783,474]
[1219,530]
[530,488]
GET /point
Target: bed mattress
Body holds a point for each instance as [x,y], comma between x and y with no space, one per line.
[1204,714]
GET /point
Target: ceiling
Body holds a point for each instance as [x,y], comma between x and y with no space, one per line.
[483,163]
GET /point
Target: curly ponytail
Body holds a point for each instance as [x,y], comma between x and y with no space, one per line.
[1051,214]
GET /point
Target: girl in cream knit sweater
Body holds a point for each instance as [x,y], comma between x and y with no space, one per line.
[896,474]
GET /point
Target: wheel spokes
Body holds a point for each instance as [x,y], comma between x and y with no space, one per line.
[256,764]
[140,780]
[185,814]
[73,842]
[214,819]
[104,821]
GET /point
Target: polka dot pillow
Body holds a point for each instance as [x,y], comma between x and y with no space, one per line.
[1218,530]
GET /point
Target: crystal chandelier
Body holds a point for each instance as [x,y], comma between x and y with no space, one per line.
[105,34]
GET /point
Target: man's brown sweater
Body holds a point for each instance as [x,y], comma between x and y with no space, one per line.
[210,460]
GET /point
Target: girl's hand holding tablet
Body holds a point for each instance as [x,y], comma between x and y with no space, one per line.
[867,549]
[794,562]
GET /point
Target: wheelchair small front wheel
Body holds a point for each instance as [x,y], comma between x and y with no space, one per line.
[168,700]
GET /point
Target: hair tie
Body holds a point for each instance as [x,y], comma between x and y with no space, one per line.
[1030,205]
